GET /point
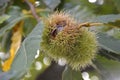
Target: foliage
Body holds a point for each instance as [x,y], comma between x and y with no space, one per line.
[29,61]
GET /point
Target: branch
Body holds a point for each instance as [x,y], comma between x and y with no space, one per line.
[33,10]
[88,24]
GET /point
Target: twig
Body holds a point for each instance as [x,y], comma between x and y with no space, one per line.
[89,24]
[33,10]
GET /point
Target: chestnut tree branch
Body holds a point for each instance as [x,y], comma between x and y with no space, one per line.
[33,10]
[88,24]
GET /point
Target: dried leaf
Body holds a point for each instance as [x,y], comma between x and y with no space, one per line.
[16,41]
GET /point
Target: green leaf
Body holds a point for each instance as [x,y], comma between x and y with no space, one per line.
[14,12]
[16,16]
[109,43]
[116,33]
[26,54]
[33,71]
[85,15]
[6,75]
[109,69]
[2,2]
[11,24]
[70,74]
[81,14]
[3,18]
[106,18]
[5,43]
[52,4]
[29,24]
[117,4]
[3,5]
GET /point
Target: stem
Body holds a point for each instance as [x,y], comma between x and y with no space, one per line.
[33,10]
[88,24]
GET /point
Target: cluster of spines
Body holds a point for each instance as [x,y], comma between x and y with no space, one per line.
[74,43]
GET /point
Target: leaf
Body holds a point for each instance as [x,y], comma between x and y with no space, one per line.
[32,1]
[16,41]
[116,33]
[117,4]
[6,75]
[5,42]
[109,69]
[52,4]
[81,14]
[11,24]
[26,54]
[2,2]
[3,18]
[29,24]
[100,6]
[109,43]
[106,18]
[70,74]
[14,12]
[34,71]
[85,15]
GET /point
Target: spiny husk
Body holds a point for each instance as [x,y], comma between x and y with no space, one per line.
[74,43]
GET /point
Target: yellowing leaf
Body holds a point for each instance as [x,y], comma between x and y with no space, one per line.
[32,1]
[16,41]
[25,11]
[36,9]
